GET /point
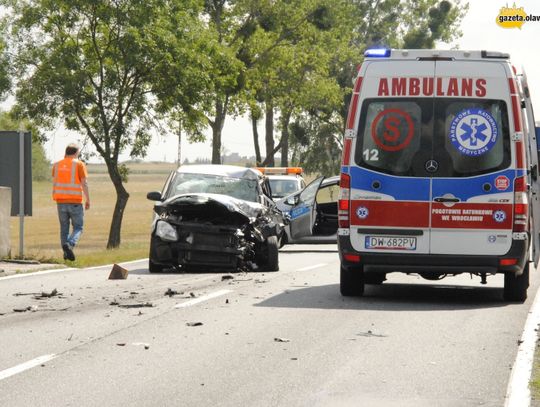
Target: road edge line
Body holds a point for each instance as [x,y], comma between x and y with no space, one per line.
[518,393]
[51,271]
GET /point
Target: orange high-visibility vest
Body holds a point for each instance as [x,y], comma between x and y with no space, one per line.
[67,186]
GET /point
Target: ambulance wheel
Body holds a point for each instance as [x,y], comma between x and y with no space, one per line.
[515,287]
[374,278]
[351,281]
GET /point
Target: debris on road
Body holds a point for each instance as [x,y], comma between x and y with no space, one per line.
[226,301]
[121,344]
[118,273]
[32,308]
[138,305]
[171,292]
[281,340]
[194,323]
[192,295]
[114,302]
[227,277]
[143,344]
[370,334]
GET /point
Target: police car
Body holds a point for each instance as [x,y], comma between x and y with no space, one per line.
[312,212]
[439,171]
[283,180]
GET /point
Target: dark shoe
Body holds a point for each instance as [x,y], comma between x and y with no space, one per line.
[68,253]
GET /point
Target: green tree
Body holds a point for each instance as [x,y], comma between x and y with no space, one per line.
[380,23]
[5,81]
[93,64]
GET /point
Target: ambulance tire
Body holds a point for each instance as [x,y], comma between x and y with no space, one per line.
[515,287]
[351,281]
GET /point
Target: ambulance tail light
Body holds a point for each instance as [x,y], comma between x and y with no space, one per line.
[353,258]
[521,205]
[344,200]
[508,262]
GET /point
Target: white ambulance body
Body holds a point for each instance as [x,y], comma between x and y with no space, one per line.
[439,171]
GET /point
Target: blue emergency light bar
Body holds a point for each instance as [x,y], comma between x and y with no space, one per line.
[378,52]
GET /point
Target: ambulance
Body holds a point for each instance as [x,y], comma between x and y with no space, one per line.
[439,171]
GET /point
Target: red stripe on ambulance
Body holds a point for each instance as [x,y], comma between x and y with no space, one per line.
[390,213]
[354,103]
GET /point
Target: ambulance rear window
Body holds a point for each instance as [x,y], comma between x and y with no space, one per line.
[473,134]
[458,137]
[389,134]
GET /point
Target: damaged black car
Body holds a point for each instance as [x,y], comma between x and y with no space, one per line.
[215,217]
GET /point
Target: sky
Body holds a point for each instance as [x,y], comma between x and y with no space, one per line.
[480,32]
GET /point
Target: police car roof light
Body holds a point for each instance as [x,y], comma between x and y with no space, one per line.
[495,54]
[378,53]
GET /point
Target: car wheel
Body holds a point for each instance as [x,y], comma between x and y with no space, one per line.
[271,255]
[154,268]
[374,278]
[515,287]
[351,281]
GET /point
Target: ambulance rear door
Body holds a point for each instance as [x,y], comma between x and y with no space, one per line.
[390,189]
[534,180]
[472,184]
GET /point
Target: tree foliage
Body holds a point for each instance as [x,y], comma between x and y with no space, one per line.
[94,64]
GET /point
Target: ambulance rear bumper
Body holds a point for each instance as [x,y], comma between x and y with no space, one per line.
[435,263]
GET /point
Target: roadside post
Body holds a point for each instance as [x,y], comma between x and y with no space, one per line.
[16,173]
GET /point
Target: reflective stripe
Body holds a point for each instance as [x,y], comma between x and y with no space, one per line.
[58,184]
[68,192]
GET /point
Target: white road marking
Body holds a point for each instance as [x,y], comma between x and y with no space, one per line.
[202,299]
[4,374]
[517,392]
[315,266]
[39,273]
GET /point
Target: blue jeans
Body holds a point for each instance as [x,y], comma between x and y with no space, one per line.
[75,214]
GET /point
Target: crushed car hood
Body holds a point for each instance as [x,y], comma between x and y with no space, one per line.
[187,202]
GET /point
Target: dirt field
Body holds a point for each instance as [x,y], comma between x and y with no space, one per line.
[42,233]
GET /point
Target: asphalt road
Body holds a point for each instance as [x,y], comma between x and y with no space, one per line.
[266,339]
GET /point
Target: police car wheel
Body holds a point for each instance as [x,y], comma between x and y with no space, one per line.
[515,287]
[351,281]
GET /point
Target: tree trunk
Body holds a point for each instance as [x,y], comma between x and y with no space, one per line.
[217,129]
[254,120]
[286,117]
[122,197]
[269,127]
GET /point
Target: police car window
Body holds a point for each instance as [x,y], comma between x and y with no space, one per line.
[389,135]
[472,137]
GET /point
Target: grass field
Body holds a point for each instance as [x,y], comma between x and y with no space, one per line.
[42,232]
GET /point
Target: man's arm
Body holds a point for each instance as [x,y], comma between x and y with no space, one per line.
[84,184]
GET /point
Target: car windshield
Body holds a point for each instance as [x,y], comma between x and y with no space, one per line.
[245,189]
[283,187]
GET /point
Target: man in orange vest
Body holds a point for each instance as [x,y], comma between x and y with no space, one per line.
[69,185]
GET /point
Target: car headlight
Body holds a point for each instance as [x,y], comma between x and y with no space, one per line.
[166,232]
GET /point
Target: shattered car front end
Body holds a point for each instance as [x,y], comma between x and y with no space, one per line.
[213,231]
